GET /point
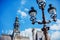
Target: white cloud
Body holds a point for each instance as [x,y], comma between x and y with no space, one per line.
[28,32]
[55,35]
[58,21]
[23,2]
[23,14]
[26,9]
[55,26]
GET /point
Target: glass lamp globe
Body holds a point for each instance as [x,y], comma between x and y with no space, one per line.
[51,10]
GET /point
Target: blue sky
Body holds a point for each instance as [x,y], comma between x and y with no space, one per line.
[9,9]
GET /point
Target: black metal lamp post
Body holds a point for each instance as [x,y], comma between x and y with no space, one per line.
[51,10]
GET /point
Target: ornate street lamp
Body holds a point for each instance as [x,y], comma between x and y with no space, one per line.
[33,13]
[52,12]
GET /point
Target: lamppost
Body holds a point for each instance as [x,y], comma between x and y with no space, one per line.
[51,11]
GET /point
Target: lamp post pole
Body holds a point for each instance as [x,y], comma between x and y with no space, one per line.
[44,29]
